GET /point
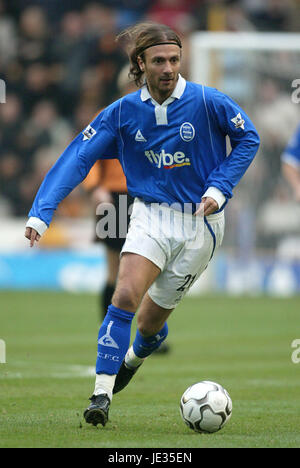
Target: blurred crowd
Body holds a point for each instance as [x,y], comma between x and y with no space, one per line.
[61,65]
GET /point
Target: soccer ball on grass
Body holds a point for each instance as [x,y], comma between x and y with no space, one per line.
[206,406]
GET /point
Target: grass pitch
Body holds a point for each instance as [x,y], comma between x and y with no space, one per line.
[242,343]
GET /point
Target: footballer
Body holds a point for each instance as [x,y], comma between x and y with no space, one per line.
[170,138]
[290,160]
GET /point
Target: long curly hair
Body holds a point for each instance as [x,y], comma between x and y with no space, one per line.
[136,39]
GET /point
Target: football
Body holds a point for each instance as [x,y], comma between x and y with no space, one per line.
[206,407]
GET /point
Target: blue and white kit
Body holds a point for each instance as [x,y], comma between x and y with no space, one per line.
[291,155]
[173,153]
[169,153]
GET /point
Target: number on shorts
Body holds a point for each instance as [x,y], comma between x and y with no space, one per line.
[189,279]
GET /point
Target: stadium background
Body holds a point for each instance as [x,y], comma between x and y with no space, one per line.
[60,64]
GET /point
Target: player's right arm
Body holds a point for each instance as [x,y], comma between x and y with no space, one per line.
[292,175]
[232,121]
[290,160]
[97,141]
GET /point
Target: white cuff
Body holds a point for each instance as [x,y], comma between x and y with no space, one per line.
[216,194]
[37,224]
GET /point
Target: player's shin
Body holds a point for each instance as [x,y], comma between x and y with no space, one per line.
[113,343]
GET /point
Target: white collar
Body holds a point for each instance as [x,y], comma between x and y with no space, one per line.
[177,93]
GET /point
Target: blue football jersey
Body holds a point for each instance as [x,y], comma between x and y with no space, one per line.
[291,155]
[170,153]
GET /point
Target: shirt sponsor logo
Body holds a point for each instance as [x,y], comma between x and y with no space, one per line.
[187,131]
[167,160]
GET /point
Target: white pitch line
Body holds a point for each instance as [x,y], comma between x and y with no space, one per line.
[53,371]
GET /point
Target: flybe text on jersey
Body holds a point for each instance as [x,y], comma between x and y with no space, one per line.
[167,160]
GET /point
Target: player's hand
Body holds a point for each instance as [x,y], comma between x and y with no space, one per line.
[32,235]
[207,206]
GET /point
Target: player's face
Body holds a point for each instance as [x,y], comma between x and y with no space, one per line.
[161,67]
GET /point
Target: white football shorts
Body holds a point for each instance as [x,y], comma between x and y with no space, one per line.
[180,244]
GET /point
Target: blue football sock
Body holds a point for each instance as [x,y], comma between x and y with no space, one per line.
[113,340]
[144,346]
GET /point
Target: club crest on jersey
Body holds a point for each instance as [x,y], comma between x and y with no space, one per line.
[88,133]
[187,131]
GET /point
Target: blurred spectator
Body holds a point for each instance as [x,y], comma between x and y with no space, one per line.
[34,36]
[10,177]
[236,18]
[54,9]
[174,13]
[279,217]
[93,89]
[69,51]
[45,119]
[269,15]
[276,117]
[42,159]
[8,37]
[275,113]
[43,128]
[38,85]
[107,59]
[84,113]
[10,122]
[128,11]
[99,19]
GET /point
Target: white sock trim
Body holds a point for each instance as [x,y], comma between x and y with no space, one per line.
[105,384]
[132,360]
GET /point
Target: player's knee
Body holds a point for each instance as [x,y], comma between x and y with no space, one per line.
[126,299]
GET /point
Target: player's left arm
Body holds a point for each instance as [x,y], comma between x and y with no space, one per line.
[230,119]
[97,141]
